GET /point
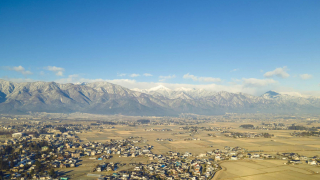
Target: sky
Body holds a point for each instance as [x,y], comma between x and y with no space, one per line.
[237,46]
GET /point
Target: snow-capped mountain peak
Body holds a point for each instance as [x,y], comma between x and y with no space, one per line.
[180,92]
[81,83]
[159,88]
[108,98]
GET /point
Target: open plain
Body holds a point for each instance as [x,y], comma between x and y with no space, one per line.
[265,170]
[281,142]
[202,137]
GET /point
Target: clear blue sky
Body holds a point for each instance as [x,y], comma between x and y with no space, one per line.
[104,39]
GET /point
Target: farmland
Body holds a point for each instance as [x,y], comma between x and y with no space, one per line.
[246,148]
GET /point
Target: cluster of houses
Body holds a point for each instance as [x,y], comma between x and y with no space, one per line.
[42,143]
[235,153]
[121,148]
[305,133]
[295,158]
[61,152]
[51,152]
[201,128]
[152,129]
[106,167]
[272,126]
[173,165]
[166,139]
[246,134]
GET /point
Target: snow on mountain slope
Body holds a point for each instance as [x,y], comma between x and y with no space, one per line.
[108,98]
[160,88]
[183,93]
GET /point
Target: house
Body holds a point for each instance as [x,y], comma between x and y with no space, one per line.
[255,156]
[17,135]
[296,158]
[303,158]
[47,135]
[295,161]
[312,162]
[234,158]
[202,155]
[44,148]
[240,155]
[93,153]
[75,155]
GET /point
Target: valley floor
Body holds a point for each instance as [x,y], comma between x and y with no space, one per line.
[266,170]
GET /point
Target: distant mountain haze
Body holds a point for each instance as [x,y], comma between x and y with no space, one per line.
[108,98]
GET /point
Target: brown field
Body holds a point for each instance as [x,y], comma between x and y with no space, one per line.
[124,132]
[281,142]
[266,169]
[86,166]
[244,169]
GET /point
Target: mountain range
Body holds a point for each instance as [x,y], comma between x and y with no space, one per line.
[108,98]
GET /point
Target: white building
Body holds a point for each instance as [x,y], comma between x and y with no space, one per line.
[312,162]
[16,135]
[234,158]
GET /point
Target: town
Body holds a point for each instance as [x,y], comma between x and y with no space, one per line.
[46,149]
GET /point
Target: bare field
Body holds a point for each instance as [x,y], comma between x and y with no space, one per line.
[266,169]
[235,170]
[87,165]
[281,142]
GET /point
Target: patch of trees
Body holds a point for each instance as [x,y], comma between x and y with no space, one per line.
[6,133]
[35,134]
[108,123]
[294,127]
[37,146]
[289,118]
[43,131]
[7,150]
[61,129]
[247,126]
[143,121]
[1,175]
[314,129]
[237,134]
[4,164]
[306,133]
[52,173]
[267,135]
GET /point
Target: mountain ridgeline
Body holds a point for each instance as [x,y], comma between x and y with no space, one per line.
[107,98]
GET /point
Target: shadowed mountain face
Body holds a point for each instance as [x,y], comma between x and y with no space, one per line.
[107,98]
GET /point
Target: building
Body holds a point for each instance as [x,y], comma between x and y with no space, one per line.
[44,148]
[234,158]
[312,162]
[75,155]
[17,135]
